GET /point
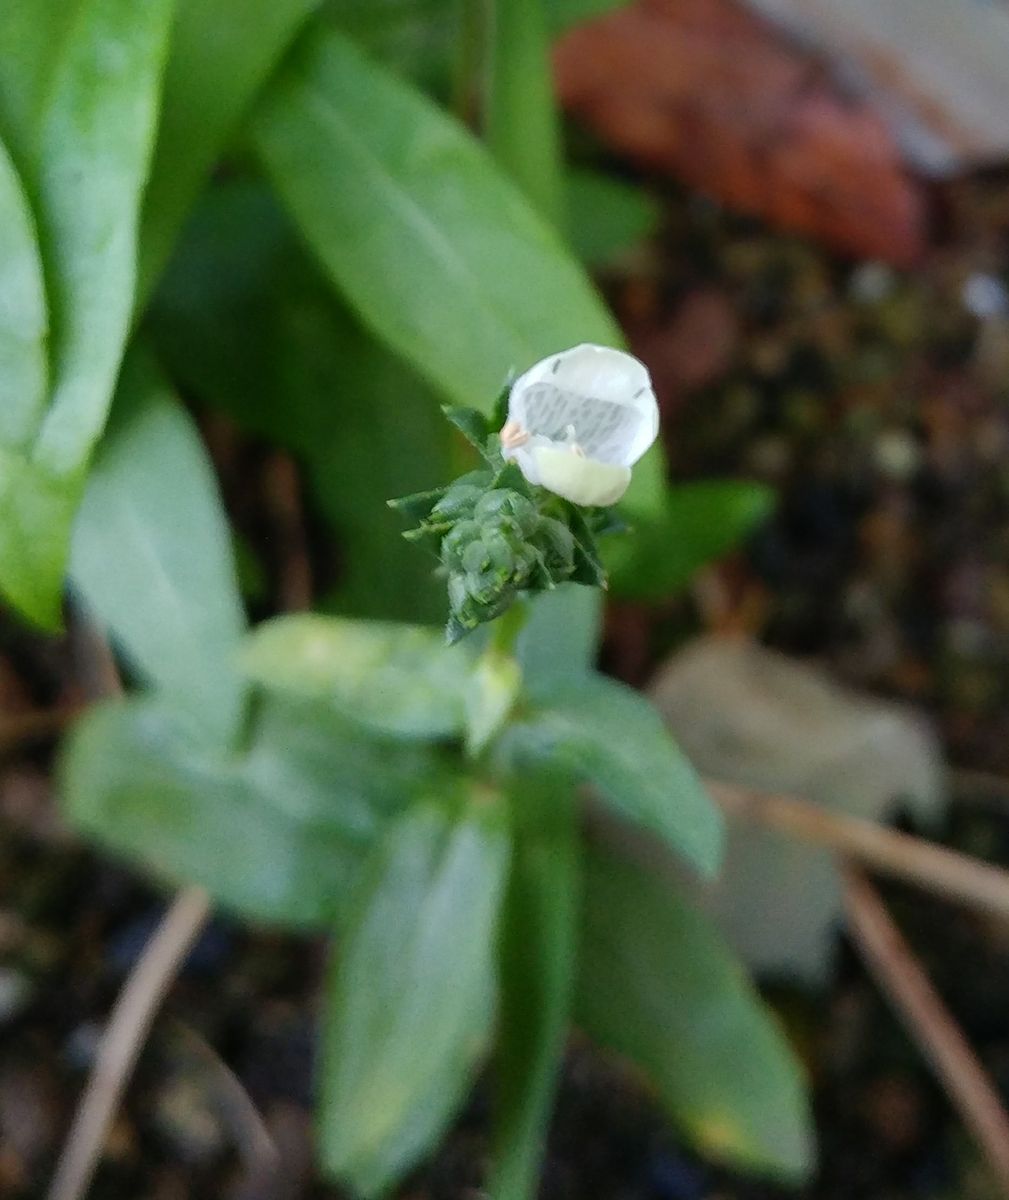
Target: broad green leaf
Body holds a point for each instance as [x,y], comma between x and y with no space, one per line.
[23,316]
[659,986]
[276,831]
[698,523]
[521,123]
[605,733]
[221,55]
[409,997]
[399,678]
[537,961]
[151,554]
[245,320]
[560,637]
[606,216]
[86,177]
[408,214]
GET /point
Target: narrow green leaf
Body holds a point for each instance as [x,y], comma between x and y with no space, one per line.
[409,996]
[658,985]
[96,138]
[221,55]
[23,317]
[439,253]
[697,523]
[398,678]
[537,957]
[276,832]
[32,35]
[87,171]
[522,126]
[607,734]
[152,557]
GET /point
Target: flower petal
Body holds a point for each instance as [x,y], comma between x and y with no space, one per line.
[604,393]
[580,480]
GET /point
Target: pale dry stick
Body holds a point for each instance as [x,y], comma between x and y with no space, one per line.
[901,978]
[123,1038]
[138,1002]
[934,868]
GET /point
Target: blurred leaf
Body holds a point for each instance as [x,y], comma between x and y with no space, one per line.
[522,126]
[276,831]
[537,956]
[700,522]
[436,250]
[402,679]
[221,55]
[23,316]
[32,35]
[604,733]
[88,173]
[659,986]
[560,637]
[151,553]
[247,323]
[563,14]
[409,996]
[606,216]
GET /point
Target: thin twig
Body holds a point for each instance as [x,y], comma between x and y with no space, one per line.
[939,1038]
[124,1035]
[149,981]
[935,868]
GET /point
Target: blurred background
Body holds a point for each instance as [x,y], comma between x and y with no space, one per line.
[799,213]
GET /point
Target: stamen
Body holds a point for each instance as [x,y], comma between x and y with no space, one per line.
[513,435]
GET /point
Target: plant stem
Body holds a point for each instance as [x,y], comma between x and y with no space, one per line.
[505,630]
[521,123]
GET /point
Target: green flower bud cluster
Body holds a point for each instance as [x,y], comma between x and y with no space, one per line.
[497,536]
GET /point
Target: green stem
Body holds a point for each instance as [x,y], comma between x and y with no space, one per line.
[521,123]
[504,631]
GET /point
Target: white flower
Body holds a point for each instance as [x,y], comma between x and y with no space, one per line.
[578,421]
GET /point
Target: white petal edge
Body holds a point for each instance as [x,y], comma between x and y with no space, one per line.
[598,371]
[580,480]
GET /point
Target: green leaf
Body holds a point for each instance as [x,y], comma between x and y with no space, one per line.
[243,318]
[606,734]
[699,522]
[560,637]
[607,216]
[87,175]
[439,253]
[537,959]
[152,556]
[522,126]
[276,831]
[398,678]
[409,996]
[23,316]
[32,36]
[221,55]
[658,985]
[471,423]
